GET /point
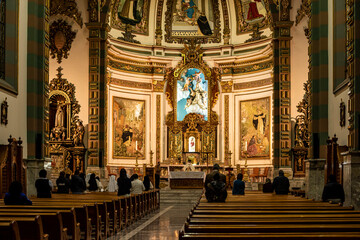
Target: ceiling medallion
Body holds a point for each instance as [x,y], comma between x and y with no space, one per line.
[61,38]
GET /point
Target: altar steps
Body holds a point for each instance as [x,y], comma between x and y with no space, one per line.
[177,196]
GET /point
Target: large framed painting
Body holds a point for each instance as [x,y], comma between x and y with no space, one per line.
[255,128]
[192,94]
[192,19]
[250,14]
[128,128]
[133,12]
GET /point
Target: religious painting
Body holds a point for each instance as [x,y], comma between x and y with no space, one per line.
[192,144]
[192,19]
[255,128]
[250,14]
[128,127]
[132,12]
[192,94]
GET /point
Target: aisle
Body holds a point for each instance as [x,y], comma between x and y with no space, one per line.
[165,223]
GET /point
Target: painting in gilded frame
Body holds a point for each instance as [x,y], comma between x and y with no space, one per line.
[255,128]
[128,127]
[192,19]
[192,94]
[250,13]
[138,17]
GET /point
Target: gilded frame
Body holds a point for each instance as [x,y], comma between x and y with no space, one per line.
[270,126]
[142,156]
[214,38]
[197,136]
[117,24]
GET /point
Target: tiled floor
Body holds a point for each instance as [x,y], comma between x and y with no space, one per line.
[165,223]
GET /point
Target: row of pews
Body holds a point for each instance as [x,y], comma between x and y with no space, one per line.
[75,216]
[259,216]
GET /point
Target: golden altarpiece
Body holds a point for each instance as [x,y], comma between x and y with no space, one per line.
[192,91]
[66,146]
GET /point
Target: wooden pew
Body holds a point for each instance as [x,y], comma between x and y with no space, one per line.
[30,228]
[9,230]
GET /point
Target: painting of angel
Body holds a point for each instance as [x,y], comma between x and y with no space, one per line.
[192,94]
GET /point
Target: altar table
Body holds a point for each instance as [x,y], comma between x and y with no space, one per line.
[186,179]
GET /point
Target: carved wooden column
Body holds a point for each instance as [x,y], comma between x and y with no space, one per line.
[98,30]
[282,122]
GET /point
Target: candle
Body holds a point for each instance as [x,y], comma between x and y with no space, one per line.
[136,146]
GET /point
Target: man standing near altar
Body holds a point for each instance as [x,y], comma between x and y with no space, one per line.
[189,167]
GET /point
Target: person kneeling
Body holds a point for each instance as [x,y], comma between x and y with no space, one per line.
[333,191]
[216,190]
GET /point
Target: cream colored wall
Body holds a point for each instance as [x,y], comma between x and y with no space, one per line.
[299,59]
[76,66]
[17,114]
[335,99]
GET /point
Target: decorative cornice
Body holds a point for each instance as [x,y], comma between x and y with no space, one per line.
[131,84]
[61,38]
[247,69]
[253,84]
[66,8]
[158,86]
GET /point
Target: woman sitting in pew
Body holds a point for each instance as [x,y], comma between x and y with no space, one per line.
[15,196]
[93,186]
[268,187]
[147,183]
[124,184]
[239,186]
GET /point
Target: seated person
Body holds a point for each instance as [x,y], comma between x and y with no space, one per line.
[100,186]
[93,185]
[239,186]
[124,184]
[189,167]
[43,185]
[147,183]
[62,183]
[77,183]
[281,184]
[268,187]
[333,191]
[137,187]
[112,185]
[15,196]
[216,190]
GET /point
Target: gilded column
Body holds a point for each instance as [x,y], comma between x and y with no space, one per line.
[158,127]
[227,128]
[282,115]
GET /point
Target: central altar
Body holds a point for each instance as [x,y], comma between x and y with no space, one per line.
[181,180]
[192,92]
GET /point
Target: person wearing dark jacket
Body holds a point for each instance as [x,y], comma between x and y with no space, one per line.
[268,187]
[77,183]
[43,185]
[62,183]
[93,186]
[82,176]
[124,184]
[281,184]
[210,177]
[147,183]
[239,186]
[216,190]
[333,191]
[15,196]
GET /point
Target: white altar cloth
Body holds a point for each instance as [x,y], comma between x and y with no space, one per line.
[184,175]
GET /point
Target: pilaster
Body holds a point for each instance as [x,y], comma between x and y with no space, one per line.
[314,178]
[351,178]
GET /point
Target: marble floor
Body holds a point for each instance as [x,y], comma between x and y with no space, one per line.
[165,223]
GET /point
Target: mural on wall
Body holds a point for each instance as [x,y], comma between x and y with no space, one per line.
[255,128]
[132,12]
[128,127]
[251,14]
[192,19]
[192,94]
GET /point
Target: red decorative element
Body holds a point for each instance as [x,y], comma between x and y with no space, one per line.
[253,12]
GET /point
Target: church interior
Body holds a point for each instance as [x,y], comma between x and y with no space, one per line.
[169,88]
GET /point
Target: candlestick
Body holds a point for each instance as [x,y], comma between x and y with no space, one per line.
[246,175]
[151,158]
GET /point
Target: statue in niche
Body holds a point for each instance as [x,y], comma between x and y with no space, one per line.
[59,116]
[79,134]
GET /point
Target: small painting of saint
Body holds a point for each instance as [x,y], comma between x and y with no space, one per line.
[192,147]
[131,11]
